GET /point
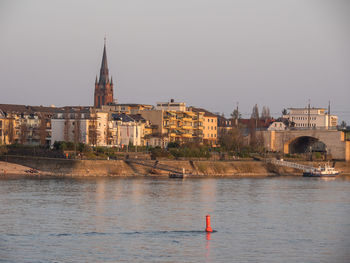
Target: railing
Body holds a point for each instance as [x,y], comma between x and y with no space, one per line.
[302,167]
[333,128]
[156,165]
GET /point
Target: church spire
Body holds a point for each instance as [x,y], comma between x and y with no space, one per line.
[104,86]
[104,77]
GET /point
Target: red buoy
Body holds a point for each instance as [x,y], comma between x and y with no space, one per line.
[208,228]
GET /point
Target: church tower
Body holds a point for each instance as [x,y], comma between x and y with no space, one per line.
[103,86]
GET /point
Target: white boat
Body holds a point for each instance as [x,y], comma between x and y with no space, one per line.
[325,171]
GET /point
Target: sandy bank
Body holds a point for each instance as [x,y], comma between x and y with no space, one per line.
[80,168]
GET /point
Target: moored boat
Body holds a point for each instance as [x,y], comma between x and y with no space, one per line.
[325,171]
[176,175]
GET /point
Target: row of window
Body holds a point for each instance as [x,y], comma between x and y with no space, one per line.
[211,120]
[303,118]
[211,127]
[212,135]
[305,125]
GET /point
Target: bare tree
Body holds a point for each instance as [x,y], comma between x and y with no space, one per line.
[232,140]
[110,136]
[236,115]
[265,113]
[255,112]
[93,127]
[10,130]
[23,133]
[42,128]
[77,136]
[66,125]
[253,125]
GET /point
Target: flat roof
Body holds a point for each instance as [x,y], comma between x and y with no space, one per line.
[311,108]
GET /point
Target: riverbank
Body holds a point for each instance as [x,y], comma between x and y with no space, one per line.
[19,165]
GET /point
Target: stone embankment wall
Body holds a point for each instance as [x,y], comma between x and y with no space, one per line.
[68,167]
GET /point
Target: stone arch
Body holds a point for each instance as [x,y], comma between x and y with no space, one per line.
[303,144]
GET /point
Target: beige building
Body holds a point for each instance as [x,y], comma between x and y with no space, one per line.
[31,125]
[7,129]
[210,126]
[126,108]
[176,126]
[311,118]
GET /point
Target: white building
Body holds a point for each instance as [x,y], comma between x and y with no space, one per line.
[171,106]
[127,129]
[159,141]
[277,126]
[83,127]
[311,118]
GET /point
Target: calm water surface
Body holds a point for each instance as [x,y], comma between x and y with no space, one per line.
[162,220]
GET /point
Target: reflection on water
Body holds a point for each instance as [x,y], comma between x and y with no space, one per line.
[163,220]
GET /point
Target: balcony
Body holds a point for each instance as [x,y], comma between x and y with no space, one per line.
[187,135]
[170,126]
[168,116]
[187,127]
[186,118]
[190,113]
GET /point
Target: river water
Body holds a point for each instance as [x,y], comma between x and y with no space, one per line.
[162,220]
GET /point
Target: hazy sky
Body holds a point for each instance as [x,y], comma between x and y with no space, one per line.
[207,53]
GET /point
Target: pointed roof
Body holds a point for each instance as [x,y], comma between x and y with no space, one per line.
[104,78]
[104,58]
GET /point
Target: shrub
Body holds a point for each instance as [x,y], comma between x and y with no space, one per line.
[318,155]
[159,152]
[173,145]
[190,150]
[3,150]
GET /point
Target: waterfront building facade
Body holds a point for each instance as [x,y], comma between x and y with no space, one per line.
[210,126]
[30,125]
[80,126]
[177,126]
[311,118]
[128,130]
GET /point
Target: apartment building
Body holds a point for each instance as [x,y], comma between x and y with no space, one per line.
[210,126]
[7,129]
[30,125]
[80,126]
[176,126]
[130,108]
[128,129]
